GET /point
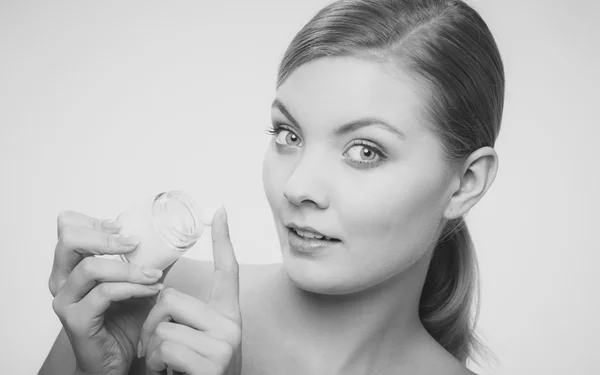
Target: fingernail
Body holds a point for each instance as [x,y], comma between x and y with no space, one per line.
[139,349]
[111,224]
[127,240]
[152,272]
[157,286]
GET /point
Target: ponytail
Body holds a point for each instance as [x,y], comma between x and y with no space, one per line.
[450,290]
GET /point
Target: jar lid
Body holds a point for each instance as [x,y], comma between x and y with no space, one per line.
[181,219]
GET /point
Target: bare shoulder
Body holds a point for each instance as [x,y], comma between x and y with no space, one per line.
[435,359]
[451,366]
[465,371]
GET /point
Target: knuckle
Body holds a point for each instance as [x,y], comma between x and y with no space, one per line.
[108,242]
[165,348]
[62,218]
[52,286]
[161,330]
[104,290]
[57,307]
[86,267]
[168,295]
[66,235]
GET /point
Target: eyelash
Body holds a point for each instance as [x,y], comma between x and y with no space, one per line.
[277,127]
[372,147]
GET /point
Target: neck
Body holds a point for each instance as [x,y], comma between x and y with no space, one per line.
[354,331]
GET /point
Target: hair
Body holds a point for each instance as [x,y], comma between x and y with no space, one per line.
[446,45]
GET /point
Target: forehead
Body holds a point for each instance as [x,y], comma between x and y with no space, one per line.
[330,91]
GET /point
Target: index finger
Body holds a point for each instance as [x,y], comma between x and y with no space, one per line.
[224,294]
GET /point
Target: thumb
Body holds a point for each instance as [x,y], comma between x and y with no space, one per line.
[224,294]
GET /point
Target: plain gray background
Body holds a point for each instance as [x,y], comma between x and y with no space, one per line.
[105,103]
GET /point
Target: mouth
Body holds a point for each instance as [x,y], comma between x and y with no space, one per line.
[309,241]
[310,233]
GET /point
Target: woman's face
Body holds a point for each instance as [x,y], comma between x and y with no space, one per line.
[352,159]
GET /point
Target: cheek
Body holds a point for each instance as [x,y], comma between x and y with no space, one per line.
[273,177]
[267,175]
[395,216]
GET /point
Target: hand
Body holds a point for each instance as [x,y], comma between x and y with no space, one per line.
[90,293]
[196,337]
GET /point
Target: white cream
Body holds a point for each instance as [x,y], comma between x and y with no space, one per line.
[166,227]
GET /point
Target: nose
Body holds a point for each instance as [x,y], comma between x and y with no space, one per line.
[307,185]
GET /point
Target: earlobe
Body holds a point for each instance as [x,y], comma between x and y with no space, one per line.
[478,173]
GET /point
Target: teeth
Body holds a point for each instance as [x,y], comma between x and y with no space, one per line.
[307,234]
[304,233]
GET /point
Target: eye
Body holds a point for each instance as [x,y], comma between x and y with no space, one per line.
[365,154]
[284,137]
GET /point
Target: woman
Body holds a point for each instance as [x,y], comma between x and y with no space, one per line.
[384,123]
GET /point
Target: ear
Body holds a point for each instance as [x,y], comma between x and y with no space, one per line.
[475,176]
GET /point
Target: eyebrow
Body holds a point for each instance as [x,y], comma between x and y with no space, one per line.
[347,127]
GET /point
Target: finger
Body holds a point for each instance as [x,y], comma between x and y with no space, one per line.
[76,243]
[224,295]
[87,315]
[76,219]
[91,271]
[182,359]
[184,309]
[166,271]
[215,350]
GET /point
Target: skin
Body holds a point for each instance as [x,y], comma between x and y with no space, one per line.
[113,322]
[351,309]
[387,214]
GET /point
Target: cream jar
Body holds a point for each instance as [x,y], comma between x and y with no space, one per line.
[166,226]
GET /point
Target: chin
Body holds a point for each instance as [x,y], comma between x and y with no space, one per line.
[324,276]
[318,284]
[331,274]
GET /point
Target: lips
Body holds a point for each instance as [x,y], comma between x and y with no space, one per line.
[307,245]
[309,233]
